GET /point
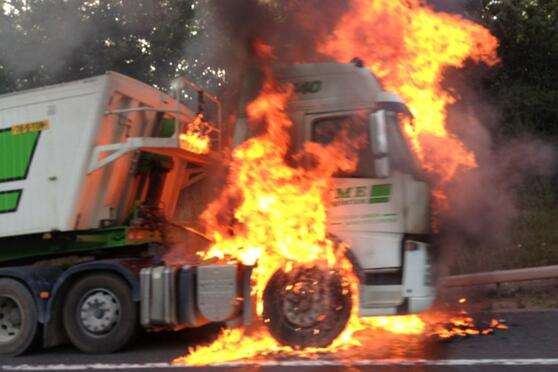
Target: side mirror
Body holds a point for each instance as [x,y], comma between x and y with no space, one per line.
[379,143]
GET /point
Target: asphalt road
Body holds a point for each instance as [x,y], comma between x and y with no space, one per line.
[531,344]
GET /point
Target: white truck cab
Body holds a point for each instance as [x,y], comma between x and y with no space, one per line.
[382,209]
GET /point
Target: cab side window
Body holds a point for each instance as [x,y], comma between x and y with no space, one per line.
[325,131]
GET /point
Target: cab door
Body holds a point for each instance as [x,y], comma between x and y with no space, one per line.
[366,211]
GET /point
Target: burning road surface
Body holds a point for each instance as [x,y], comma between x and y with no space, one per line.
[396,336]
[272,212]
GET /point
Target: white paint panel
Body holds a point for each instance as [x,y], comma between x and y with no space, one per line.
[53,180]
[58,192]
[417,199]
[373,250]
[373,227]
[363,212]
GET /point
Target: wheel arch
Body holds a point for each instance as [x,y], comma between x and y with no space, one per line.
[36,280]
[119,267]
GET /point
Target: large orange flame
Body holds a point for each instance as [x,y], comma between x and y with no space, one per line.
[274,213]
[408,45]
[273,210]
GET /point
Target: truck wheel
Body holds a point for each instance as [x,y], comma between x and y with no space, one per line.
[18,318]
[99,314]
[307,307]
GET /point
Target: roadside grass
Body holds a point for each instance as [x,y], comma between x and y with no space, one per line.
[533,235]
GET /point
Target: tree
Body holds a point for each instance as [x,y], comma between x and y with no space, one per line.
[525,84]
[45,42]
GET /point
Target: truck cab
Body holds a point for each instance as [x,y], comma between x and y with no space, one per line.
[382,208]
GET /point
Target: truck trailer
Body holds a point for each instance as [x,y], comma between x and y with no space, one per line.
[92,171]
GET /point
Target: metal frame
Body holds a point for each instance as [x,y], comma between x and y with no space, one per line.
[177,113]
[179,83]
[502,276]
[117,150]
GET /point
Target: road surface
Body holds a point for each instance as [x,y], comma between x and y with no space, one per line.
[531,344]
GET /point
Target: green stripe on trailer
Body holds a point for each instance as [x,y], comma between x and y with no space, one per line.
[56,243]
[9,200]
[16,152]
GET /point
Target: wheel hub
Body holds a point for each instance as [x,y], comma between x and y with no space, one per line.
[306,301]
[10,319]
[99,311]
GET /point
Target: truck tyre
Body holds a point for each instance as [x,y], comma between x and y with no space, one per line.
[18,318]
[100,315]
[307,307]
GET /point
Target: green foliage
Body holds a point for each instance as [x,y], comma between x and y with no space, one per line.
[523,88]
[533,242]
[525,84]
[45,42]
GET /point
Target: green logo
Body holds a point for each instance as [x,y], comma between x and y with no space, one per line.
[363,195]
[380,193]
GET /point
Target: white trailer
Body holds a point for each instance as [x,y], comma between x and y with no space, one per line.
[89,173]
[58,147]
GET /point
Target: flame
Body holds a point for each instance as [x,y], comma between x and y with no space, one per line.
[233,344]
[272,212]
[241,344]
[408,45]
[447,327]
[401,325]
[196,138]
[273,209]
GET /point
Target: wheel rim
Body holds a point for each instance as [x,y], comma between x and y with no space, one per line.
[306,301]
[10,319]
[99,311]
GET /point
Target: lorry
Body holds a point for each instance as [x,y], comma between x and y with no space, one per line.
[91,176]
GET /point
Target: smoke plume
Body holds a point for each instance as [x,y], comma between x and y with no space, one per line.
[481,202]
